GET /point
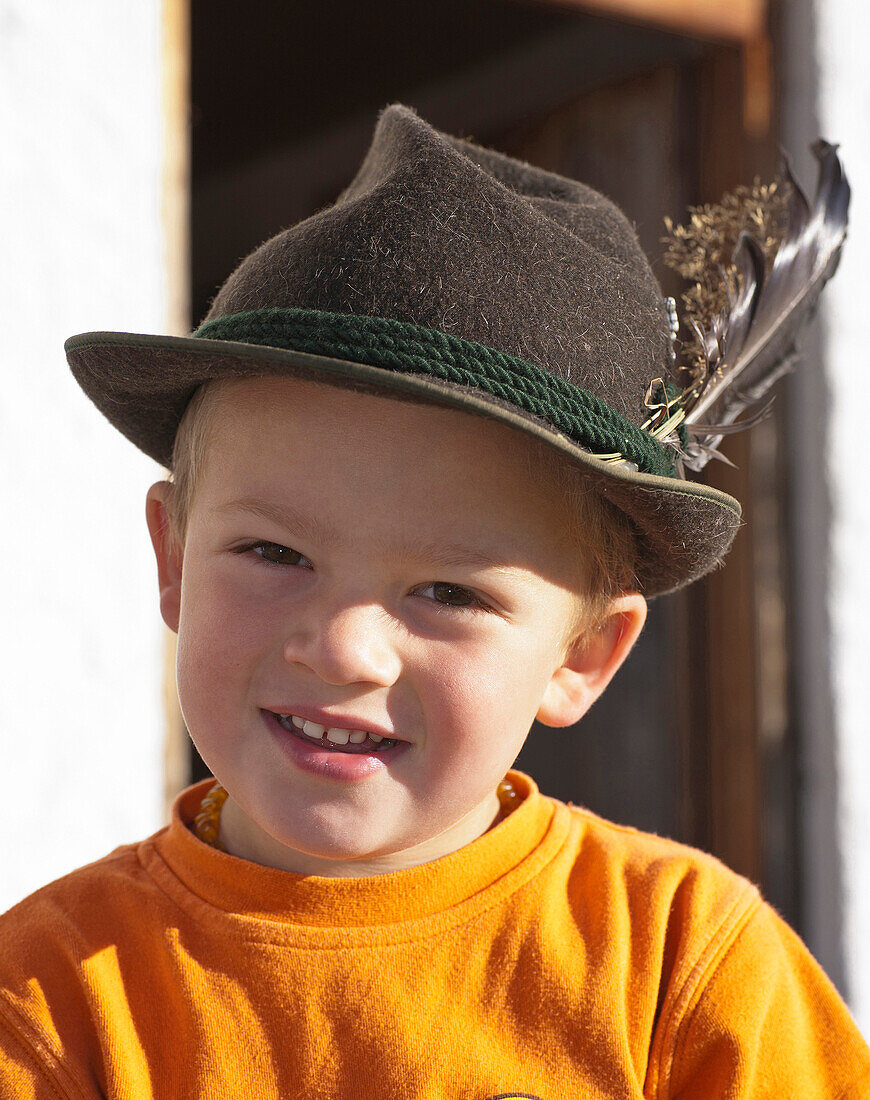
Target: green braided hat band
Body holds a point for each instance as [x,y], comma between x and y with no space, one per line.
[411,349]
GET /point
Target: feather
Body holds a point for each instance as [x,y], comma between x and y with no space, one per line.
[750,343]
[729,429]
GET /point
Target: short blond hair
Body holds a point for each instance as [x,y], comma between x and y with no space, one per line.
[188,455]
[605,536]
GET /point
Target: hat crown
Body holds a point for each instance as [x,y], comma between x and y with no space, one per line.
[439,232]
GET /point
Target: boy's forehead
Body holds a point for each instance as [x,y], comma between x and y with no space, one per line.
[432,435]
[415,479]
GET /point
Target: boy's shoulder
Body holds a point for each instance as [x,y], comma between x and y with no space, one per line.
[60,946]
[730,972]
[670,906]
[68,913]
[54,944]
[694,886]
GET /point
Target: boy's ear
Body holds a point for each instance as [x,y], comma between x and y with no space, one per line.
[591,662]
[168,551]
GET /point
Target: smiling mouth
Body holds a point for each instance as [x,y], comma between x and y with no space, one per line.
[334,738]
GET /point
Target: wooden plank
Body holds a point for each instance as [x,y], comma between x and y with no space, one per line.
[729,595]
[175,200]
[175,216]
[730,20]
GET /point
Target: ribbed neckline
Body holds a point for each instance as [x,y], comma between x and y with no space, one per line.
[501,860]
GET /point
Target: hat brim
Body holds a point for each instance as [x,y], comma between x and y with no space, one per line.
[143,383]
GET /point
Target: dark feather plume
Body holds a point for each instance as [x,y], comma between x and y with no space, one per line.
[750,343]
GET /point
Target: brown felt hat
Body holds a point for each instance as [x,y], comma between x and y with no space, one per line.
[449,273]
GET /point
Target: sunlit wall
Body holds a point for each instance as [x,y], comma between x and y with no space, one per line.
[80,676]
[843,35]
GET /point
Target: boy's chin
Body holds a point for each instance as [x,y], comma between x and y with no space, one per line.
[344,844]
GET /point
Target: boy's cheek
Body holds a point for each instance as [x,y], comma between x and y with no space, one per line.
[219,647]
[494,697]
[214,606]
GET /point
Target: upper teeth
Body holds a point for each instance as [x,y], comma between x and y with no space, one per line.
[335,734]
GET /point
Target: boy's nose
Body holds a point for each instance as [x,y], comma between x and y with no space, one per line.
[346,645]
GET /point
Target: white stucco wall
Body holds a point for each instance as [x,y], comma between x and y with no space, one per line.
[842,39]
[80,669]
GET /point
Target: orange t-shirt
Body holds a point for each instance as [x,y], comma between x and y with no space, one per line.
[558,956]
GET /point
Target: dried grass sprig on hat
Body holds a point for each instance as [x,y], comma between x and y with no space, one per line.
[702,249]
[759,259]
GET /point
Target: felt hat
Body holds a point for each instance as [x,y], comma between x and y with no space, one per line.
[449,273]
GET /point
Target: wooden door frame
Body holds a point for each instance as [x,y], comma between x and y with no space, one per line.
[175,216]
[729,20]
[738,628]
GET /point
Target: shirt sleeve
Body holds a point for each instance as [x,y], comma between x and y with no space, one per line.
[22,1075]
[761,1019]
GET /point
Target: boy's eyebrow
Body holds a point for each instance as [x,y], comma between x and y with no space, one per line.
[285,515]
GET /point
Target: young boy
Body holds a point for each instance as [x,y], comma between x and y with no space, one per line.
[413,508]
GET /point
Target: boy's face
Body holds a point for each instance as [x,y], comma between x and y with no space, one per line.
[337,567]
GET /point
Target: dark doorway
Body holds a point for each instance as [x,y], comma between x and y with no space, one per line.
[284,102]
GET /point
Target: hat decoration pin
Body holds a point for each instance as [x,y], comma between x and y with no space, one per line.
[452,274]
[785,253]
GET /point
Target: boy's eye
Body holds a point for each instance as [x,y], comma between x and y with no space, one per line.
[443,594]
[453,595]
[277,554]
